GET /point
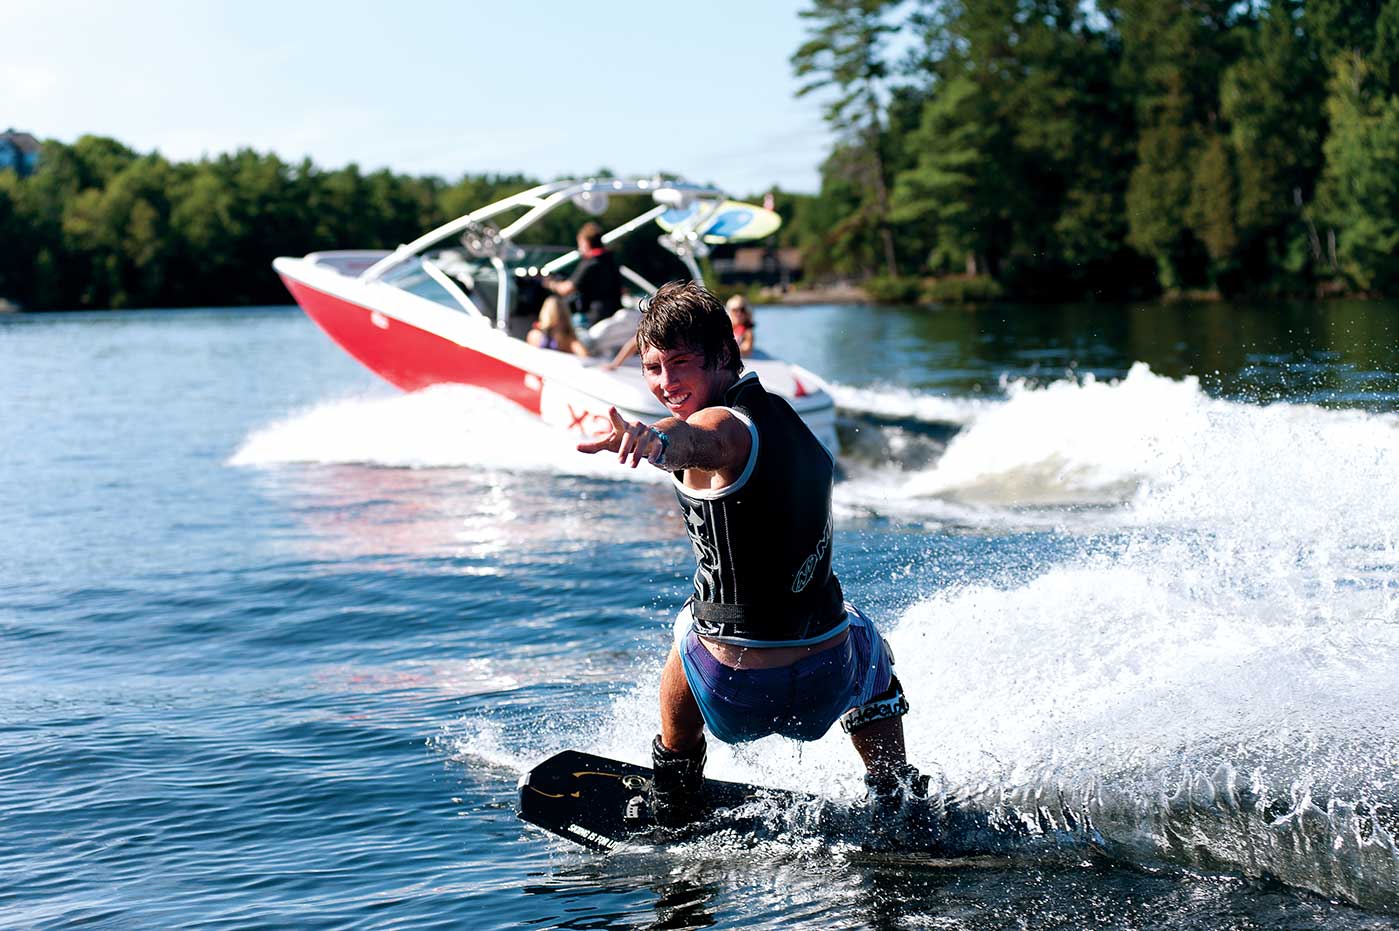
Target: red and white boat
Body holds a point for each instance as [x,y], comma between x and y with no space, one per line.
[454,304]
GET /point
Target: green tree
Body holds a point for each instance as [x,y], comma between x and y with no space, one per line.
[1018,162]
[1342,26]
[39,203]
[1272,101]
[1174,54]
[835,227]
[205,225]
[15,257]
[953,187]
[1061,154]
[121,232]
[1385,56]
[844,54]
[272,204]
[1159,188]
[1360,185]
[1210,210]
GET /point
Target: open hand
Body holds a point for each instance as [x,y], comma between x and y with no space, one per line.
[632,440]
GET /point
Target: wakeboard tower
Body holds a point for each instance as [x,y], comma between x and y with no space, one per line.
[602,804]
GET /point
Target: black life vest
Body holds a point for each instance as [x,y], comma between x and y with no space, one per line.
[763,543]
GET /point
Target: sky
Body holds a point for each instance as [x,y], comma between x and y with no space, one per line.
[545,88]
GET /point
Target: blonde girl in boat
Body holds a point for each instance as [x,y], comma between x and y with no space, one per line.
[554,330]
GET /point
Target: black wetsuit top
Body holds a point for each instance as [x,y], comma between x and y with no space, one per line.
[763,543]
[598,281]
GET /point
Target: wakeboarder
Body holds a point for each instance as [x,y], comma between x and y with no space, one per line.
[766,643]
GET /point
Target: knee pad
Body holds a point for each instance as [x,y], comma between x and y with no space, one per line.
[890,704]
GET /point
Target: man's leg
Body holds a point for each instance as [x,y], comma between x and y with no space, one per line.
[876,728]
[677,754]
[682,726]
[897,792]
[881,745]
[877,731]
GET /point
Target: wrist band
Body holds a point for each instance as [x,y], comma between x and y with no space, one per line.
[665,444]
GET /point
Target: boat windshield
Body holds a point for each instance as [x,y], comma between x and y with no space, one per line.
[415,275]
[438,273]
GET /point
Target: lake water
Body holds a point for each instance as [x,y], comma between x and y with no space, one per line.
[278,641]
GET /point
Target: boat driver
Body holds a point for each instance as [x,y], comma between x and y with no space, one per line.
[595,287]
[766,644]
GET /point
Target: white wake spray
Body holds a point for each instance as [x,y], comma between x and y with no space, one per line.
[1162,446]
[897,402]
[1214,682]
[1211,676]
[445,426]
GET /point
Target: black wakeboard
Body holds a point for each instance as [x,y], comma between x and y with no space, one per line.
[601,804]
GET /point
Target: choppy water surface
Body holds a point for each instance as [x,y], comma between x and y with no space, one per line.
[279,640]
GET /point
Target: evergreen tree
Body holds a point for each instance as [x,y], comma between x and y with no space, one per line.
[14,257]
[1020,157]
[844,54]
[1272,101]
[838,226]
[1210,209]
[1174,54]
[1360,185]
[1342,26]
[1384,58]
[1159,188]
[120,230]
[953,188]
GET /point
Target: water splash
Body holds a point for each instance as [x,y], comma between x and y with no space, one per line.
[1142,450]
[444,426]
[1209,677]
[892,402]
[1215,681]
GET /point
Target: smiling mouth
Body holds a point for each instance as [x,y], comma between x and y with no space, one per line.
[674,401]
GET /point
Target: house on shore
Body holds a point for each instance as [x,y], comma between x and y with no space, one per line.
[761,265]
[19,152]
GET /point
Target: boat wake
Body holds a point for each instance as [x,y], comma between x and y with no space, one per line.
[1204,674]
[1142,450]
[1211,682]
[444,426]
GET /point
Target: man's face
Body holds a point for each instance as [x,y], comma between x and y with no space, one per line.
[679,380]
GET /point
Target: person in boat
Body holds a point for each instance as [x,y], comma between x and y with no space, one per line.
[766,643]
[595,287]
[742,320]
[554,329]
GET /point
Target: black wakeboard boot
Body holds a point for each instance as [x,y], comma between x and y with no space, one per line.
[903,812]
[677,789]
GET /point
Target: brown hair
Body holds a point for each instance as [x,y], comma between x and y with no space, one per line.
[682,314]
[591,234]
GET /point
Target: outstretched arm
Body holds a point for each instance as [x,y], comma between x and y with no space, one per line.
[712,439]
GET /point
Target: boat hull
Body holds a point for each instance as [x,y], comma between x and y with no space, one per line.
[407,356]
[413,344]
